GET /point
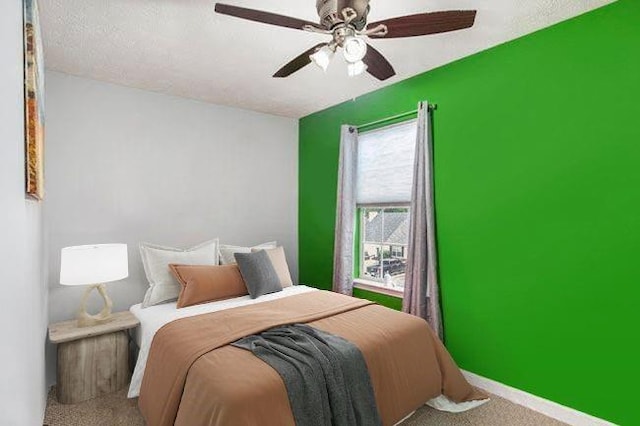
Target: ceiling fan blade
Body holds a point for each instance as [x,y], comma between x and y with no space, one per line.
[298,63]
[427,23]
[264,17]
[377,65]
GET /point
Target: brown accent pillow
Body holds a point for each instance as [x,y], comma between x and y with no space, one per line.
[279,262]
[207,283]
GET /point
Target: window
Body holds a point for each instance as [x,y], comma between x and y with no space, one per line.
[384,233]
[384,183]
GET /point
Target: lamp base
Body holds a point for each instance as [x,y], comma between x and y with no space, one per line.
[85,319]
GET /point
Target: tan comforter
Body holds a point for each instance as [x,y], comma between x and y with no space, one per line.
[193,377]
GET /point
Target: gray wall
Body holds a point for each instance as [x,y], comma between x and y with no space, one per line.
[125,165]
[23,313]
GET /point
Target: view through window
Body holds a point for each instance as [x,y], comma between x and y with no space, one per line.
[384,235]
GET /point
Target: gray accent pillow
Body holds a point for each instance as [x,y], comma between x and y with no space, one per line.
[258,273]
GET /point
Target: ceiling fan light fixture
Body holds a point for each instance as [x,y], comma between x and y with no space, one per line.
[322,57]
[356,68]
[355,49]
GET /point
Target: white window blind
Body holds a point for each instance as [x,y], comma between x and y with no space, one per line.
[385,164]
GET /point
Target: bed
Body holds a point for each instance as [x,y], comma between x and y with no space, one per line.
[187,372]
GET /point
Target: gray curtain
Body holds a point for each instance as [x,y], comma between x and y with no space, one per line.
[421,290]
[346,212]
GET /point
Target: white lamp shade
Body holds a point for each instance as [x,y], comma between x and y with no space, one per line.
[322,57]
[356,68]
[93,264]
[355,49]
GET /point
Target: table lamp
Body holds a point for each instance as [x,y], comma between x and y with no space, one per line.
[94,265]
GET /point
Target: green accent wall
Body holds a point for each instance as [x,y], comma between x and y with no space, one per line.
[537,152]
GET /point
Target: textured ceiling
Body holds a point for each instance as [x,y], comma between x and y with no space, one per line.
[183,48]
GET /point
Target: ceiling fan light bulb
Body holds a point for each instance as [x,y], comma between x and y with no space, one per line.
[356,68]
[355,49]
[322,58]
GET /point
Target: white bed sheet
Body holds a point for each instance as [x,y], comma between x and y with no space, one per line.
[154,317]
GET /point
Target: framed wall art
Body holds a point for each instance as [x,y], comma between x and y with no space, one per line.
[33,102]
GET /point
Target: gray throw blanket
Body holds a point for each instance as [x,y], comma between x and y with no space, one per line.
[325,375]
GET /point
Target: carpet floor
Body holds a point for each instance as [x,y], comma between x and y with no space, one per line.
[116,410]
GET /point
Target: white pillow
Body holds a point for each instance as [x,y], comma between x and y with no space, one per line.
[227,251]
[163,287]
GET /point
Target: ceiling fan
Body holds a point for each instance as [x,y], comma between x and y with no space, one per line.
[346,22]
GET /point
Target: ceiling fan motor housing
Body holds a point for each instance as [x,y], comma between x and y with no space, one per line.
[330,12]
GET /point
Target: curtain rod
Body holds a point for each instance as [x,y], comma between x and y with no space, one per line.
[432,107]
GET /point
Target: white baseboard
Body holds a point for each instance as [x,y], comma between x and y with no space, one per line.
[535,403]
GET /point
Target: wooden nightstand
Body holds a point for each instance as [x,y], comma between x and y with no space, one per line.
[92,361]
